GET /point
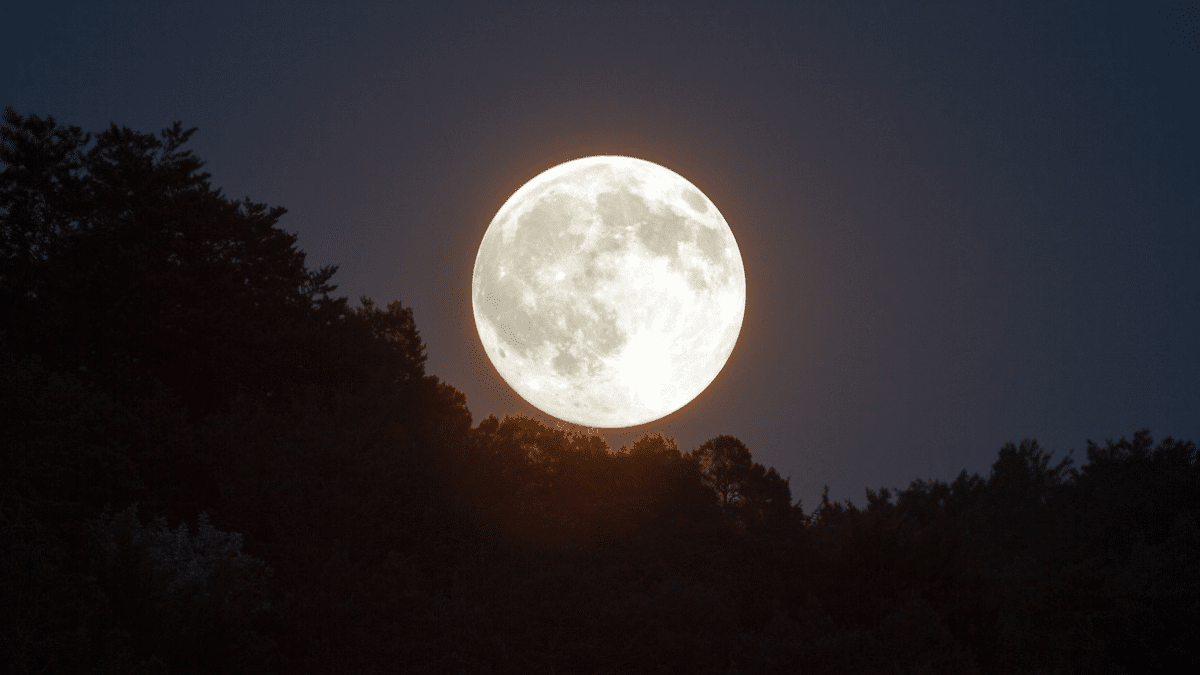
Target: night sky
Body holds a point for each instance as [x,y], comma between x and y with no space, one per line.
[961,225]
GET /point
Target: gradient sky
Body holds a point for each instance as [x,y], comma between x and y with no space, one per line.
[962,223]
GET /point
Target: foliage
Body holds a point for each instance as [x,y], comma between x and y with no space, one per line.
[181,565]
[122,259]
[317,502]
[83,590]
[747,491]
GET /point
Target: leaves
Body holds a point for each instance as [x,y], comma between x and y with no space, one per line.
[166,346]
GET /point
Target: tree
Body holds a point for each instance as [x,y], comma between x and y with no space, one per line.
[1017,499]
[1132,531]
[749,491]
[122,258]
[725,464]
[653,445]
[395,331]
[129,286]
[766,496]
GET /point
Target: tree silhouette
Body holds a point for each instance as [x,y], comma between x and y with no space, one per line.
[725,464]
[1131,528]
[1018,499]
[748,491]
[653,445]
[121,257]
[766,497]
[165,352]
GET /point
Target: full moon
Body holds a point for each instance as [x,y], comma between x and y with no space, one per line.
[608,291]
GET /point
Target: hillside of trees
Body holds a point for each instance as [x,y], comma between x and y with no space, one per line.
[210,464]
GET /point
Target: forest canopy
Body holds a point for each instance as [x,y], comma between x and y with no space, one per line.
[211,464]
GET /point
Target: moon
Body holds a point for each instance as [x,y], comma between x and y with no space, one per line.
[608,291]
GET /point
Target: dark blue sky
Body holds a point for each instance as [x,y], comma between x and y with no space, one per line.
[962,223]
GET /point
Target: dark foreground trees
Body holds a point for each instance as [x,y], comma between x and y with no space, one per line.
[119,259]
[210,465]
[167,348]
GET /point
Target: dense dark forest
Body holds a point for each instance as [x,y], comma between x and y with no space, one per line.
[212,465]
